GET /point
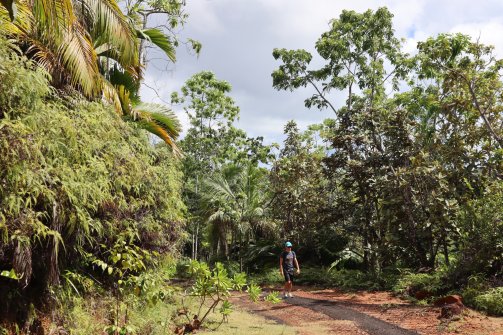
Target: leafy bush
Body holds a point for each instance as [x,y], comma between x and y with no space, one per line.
[355,280]
[211,287]
[146,305]
[476,285]
[490,301]
[479,295]
[342,279]
[268,276]
[232,267]
[414,282]
[181,268]
[481,222]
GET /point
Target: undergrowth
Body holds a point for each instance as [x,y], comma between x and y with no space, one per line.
[420,288]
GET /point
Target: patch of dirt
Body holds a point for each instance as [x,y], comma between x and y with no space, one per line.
[306,313]
[304,320]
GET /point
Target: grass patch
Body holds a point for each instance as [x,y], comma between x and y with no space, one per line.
[242,322]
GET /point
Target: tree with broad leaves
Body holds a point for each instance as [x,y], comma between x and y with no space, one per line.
[212,141]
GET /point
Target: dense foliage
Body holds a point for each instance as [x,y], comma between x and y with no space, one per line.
[401,189]
[405,177]
[81,191]
[413,161]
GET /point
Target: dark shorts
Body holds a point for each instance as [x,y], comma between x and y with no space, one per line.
[288,275]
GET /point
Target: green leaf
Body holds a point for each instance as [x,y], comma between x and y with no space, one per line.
[9,274]
[160,39]
[254,292]
[273,297]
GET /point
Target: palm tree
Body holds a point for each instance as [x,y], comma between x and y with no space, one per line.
[233,198]
[91,46]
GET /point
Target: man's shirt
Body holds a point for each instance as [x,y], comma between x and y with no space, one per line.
[288,258]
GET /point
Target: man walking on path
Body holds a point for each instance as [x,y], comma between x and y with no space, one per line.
[286,268]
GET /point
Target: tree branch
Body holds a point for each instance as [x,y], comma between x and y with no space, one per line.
[321,95]
[483,115]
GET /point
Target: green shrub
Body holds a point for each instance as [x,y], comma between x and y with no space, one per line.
[268,276]
[490,301]
[354,280]
[182,266]
[312,276]
[476,285]
[232,267]
[414,282]
[320,276]
[146,311]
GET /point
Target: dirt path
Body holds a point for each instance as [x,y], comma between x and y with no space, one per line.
[367,313]
[337,311]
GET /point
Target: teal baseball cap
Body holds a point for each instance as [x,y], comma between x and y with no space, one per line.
[288,244]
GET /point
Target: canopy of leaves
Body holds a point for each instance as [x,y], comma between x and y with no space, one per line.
[404,170]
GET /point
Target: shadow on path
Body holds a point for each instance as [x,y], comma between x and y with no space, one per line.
[336,311]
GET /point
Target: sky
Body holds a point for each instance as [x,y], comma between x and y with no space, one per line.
[238,37]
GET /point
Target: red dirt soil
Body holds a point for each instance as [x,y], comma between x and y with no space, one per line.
[381,305]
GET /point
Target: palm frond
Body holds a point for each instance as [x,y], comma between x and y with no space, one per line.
[111,95]
[217,188]
[162,115]
[11,8]
[43,55]
[22,23]
[126,106]
[79,59]
[118,77]
[160,121]
[107,51]
[160,39]
[218,216]
[114,27]
[52,17]
[57,41]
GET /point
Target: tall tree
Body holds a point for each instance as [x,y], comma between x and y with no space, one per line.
[299,193]
[212,141]
[232,203]
[362,55]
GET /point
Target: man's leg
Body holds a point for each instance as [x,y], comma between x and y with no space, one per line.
[287,283]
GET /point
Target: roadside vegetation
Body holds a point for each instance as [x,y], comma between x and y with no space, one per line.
[106,229]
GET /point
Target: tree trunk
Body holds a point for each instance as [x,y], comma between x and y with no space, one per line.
[196,242]
[446,252]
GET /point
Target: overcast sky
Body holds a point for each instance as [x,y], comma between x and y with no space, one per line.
[238,37]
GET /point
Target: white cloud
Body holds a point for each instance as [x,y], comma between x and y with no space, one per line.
[204,17]
[487,32]
[238,37]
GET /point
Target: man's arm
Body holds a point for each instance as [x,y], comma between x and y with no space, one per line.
[296,264]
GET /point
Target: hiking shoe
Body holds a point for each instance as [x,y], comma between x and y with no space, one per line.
[290,295]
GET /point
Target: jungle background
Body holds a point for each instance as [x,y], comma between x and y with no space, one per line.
[103,204]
